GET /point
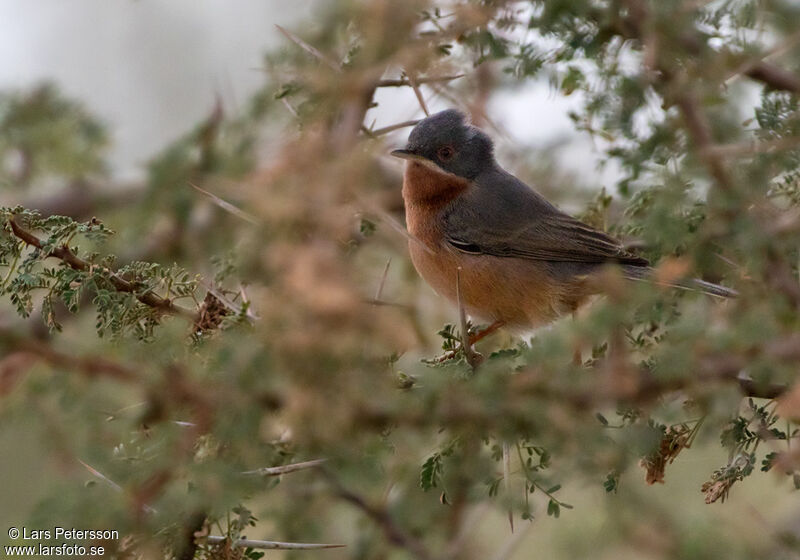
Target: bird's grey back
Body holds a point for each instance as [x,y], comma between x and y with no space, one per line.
[500,215]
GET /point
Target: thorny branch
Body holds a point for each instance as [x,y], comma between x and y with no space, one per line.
[73,261]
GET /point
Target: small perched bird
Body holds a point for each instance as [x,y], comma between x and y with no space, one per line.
[517,260]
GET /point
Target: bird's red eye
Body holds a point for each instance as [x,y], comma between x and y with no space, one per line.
[445,153]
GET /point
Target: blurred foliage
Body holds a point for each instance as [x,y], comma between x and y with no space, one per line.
[44,135]
[246,333]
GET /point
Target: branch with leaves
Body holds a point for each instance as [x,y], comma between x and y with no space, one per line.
[134,297]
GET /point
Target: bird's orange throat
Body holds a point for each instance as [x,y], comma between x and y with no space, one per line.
[426,186]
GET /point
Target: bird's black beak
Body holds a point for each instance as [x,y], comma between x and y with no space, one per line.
[405,154]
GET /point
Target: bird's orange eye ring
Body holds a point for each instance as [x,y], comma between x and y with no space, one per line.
[445,153]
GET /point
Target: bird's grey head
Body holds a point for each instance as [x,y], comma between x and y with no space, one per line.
[449,142]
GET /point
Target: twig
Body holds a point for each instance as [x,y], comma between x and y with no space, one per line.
[377,299]
[120,284]
[507,481]
[379,292]
[101,476]
[286,469]
[379,302]
[428,80]
[271,545]
[397,226]
[289,106]
[388,129]
[111,484]
[225,205]
[418,92]
[316,53]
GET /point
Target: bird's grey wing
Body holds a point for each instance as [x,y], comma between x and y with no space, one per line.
[502,216]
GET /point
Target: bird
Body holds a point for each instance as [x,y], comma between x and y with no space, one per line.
[484,239]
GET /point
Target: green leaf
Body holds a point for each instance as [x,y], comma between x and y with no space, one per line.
[553,509]
[431,472]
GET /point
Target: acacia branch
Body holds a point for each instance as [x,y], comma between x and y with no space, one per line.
[63,253]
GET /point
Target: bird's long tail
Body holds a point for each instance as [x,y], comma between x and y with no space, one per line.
[646,273]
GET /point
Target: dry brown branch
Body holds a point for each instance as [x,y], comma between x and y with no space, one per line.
[316,53]
[73,261]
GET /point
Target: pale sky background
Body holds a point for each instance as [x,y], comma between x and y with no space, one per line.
[151,70]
